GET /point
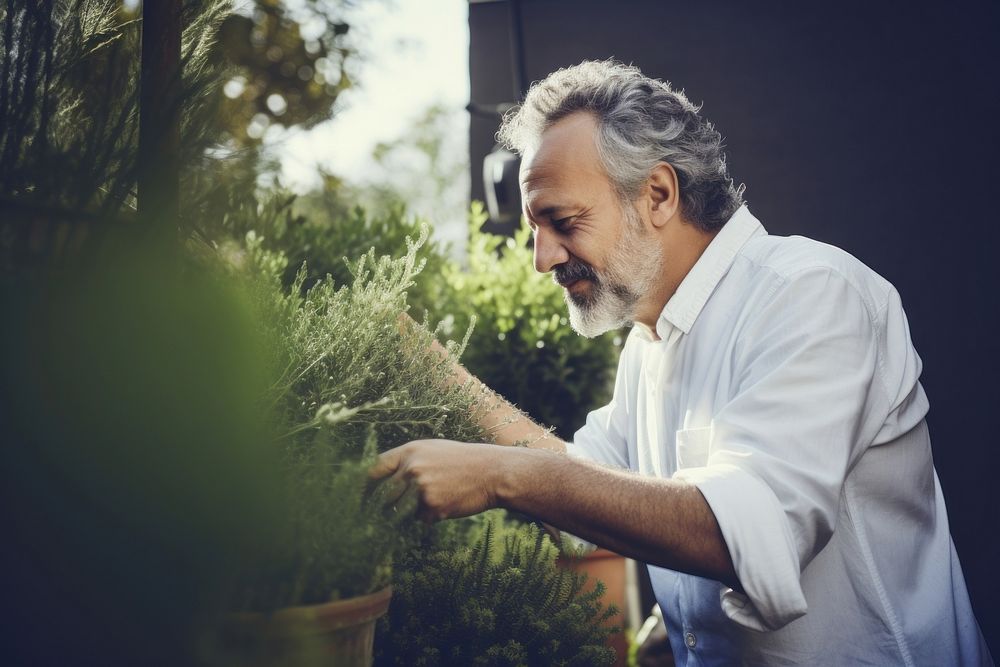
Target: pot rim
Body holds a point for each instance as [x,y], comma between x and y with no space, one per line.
[319,618]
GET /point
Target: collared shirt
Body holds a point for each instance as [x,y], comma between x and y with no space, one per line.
[784,385]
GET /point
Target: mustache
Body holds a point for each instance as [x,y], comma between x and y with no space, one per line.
[574,270]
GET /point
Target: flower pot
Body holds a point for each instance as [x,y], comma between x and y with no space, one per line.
[609,568]
[337,633]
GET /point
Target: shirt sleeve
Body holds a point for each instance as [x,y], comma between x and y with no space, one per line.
[807,401]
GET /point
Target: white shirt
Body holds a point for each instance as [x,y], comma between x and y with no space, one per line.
[785,387]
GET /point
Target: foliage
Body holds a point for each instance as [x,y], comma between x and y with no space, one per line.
[341,393]
[501,600]
[135,467]
[522,346]
[343,346]
[346,379]
[68,99]
[285,69]
[141,446]
[69,85]
[319,230]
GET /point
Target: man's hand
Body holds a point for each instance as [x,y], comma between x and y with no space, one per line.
[450,479]
[664,522]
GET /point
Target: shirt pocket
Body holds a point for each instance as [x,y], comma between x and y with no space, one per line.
[692,446]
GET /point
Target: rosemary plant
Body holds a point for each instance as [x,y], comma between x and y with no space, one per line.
[348,380]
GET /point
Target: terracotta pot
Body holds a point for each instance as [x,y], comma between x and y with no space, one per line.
[337,633]
[609,568]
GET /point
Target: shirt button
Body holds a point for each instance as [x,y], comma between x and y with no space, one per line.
[690,640]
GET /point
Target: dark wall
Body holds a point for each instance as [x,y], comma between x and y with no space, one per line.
[870,126]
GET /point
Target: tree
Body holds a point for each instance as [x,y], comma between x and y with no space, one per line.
[289,65]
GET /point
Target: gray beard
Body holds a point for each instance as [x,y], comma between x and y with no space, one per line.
[632,270]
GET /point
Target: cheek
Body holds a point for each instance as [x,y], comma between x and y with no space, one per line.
[593,249]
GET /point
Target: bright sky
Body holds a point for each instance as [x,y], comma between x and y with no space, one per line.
[418,55]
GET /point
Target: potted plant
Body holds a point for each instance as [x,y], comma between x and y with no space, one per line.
[345,381]
[320,590]
[462,293]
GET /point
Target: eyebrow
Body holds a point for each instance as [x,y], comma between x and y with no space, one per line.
[548,211]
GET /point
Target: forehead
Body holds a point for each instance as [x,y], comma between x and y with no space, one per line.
[565,162]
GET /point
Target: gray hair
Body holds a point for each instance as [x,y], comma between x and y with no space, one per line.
[641,121]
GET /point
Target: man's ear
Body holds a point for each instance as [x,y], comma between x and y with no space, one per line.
[663,194]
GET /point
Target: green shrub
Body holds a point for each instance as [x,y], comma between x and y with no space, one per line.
[501,600]
[322,230]
[345,381]
[349,381]
[135,466]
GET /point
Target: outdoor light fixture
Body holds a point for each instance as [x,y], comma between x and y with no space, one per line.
[503,196]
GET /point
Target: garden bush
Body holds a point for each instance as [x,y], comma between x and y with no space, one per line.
[345,382]
[69,109]
[135,467]
[322,229]
[498,599]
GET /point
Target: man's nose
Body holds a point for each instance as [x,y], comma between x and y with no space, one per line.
[549,251]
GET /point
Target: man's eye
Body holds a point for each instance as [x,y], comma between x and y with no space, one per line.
[562,222]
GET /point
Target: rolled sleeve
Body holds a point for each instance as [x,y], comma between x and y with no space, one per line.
[807,402]
[760,543]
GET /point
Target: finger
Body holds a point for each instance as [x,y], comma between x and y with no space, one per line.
[395,487]
[386,464]
[406,505]
[388,491]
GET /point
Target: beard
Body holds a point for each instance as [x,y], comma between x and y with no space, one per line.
[633,266]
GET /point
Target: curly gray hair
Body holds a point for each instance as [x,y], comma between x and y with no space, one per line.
[641,121]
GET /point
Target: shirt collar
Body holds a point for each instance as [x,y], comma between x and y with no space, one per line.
[692,294]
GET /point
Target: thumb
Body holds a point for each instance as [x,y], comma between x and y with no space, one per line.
[386,464]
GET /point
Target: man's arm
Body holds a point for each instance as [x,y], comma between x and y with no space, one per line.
[506,424]
[658,521]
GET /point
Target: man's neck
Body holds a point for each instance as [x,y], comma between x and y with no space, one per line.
[683,246]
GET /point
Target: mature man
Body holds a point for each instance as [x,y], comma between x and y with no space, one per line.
[767,396]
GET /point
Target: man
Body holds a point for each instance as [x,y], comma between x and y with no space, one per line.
[767,396]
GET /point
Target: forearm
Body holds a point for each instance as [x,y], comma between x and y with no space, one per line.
[506,424]
[662,522]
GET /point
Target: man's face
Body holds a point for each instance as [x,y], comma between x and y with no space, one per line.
[597,247]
